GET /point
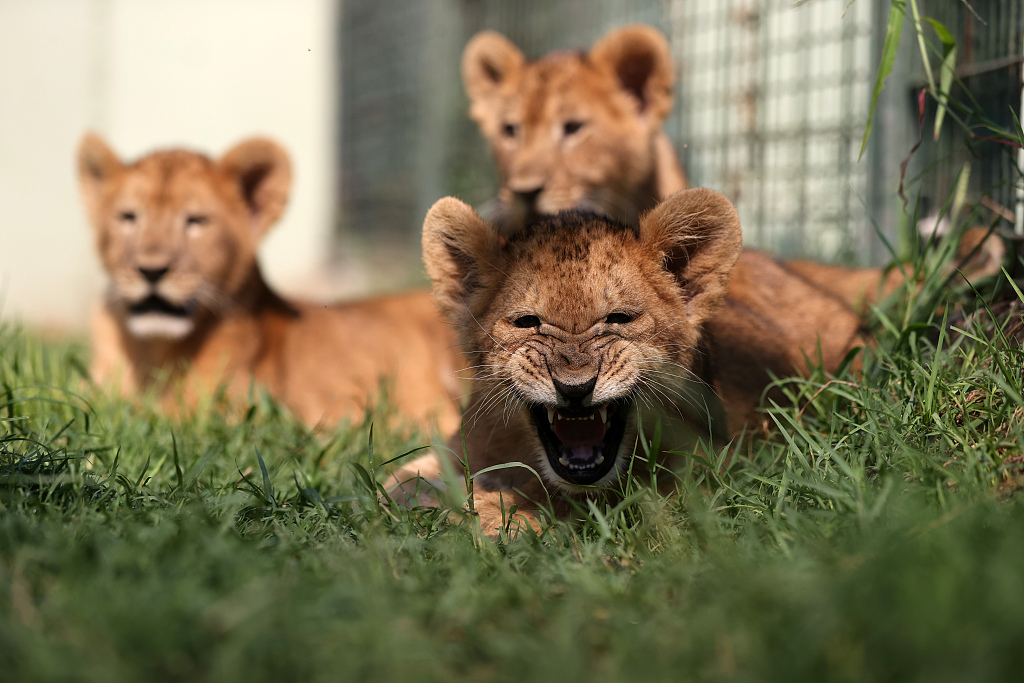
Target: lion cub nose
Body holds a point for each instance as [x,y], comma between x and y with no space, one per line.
[528,195]
[575,393]
[153,275]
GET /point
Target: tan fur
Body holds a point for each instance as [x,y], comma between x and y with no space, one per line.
[706,329]
[200,221]
[613,158]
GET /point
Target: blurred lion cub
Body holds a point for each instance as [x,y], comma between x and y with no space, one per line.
[186,304]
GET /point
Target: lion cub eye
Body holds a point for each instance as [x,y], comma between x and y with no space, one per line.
[619,318]
[527,321]
[509,130]
[571,127]
[196,221]
[127,217]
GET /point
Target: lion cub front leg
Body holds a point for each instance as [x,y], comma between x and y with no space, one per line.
[110,364]
[508,511]
[423,483]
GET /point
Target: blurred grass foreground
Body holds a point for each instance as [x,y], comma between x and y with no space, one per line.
[877,535]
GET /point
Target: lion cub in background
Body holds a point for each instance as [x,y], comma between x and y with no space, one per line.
[575,129]
[177,233]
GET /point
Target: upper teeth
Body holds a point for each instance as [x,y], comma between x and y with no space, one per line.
[603,412]
[588,417]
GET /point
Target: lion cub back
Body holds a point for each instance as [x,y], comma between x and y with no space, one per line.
[332,362]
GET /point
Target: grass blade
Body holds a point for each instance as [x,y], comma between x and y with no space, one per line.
[268,488]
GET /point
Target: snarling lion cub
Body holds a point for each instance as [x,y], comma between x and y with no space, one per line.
[177,233]
[579,327]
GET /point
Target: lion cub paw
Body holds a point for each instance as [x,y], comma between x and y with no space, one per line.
[419,483]
[507,511]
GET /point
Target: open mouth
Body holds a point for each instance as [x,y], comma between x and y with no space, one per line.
[581,445]
[157,304]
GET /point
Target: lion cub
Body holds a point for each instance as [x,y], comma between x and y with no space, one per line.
[575,129]
[579,329]
[186,305]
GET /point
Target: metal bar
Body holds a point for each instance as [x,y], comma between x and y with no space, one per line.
[804,124]
[968,70]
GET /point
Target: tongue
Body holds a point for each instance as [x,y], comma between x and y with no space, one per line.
[578,434]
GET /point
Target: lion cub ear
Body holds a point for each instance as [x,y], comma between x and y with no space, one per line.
[639,58]
[459,251]
[490,63]
[262,172]
[698,234]
[97,164]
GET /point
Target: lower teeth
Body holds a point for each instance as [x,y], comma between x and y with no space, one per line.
[568,465]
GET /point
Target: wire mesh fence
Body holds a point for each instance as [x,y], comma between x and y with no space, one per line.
[772,101]
[987,78]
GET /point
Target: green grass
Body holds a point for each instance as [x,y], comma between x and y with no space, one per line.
[875,535]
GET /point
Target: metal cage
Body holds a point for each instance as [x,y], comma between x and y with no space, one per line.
[771,106]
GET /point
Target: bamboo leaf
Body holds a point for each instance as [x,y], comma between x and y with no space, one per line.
[1016,127]
[893,29]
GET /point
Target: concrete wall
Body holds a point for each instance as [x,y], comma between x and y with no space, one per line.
[159,73]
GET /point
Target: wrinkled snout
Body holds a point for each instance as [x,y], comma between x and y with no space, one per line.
[574,375]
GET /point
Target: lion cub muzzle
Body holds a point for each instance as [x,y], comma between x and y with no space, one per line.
[155,316]
[581,438]
[152,310]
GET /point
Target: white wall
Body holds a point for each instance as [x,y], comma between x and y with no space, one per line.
[159,73]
